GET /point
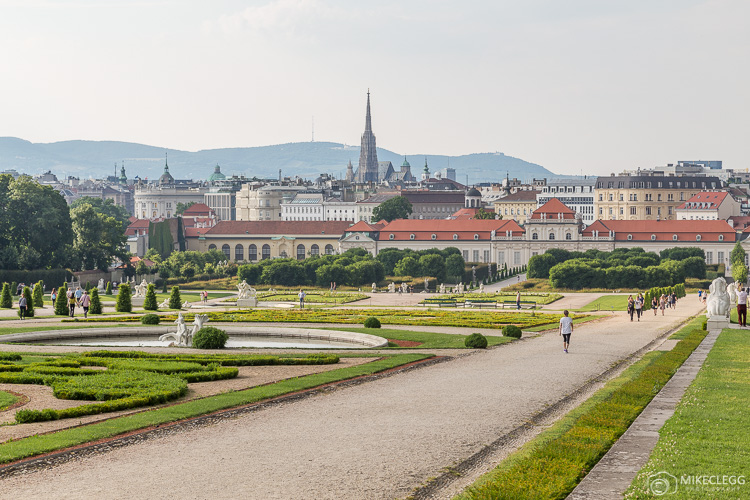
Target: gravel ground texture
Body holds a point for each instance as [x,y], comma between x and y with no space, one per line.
[376,440]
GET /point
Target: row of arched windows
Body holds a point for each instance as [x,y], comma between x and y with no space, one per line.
[252,251]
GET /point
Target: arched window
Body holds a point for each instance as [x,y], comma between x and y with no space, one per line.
[674,237]
[434,236]
[225,249]
[697,237]
[411,236]
[212,247]
[300,252]
[391,236]
[315,250]
[653,237]
[552,236]
[721,238]
[630,237]
[266,251]
[239,252]
[534,236]
[252,252]
[476,236]
[329,249]
[568,236]
[455,236]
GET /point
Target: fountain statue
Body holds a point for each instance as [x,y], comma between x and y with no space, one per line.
[717,305]
[182,336]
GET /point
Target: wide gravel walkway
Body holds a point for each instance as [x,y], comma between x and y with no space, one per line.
[380,439]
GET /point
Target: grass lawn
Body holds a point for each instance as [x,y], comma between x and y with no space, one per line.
[553,463]
[539,298]
[607,303]
[707,435]
[429,340]
[6,399]
[45,326]
[312,298]
[34,445]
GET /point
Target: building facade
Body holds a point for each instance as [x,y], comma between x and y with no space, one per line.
[577,194]
[713,205]
[517,206]
[263,202]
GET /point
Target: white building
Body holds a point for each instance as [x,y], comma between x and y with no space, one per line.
[578,194]
[263,202]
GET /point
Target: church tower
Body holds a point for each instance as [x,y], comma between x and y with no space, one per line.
[368,155]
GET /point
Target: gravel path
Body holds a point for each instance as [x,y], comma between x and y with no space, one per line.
[375,440]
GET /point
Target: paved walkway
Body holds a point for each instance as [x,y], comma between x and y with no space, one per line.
[375,440]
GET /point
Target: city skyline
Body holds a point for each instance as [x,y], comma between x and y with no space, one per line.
[581,88]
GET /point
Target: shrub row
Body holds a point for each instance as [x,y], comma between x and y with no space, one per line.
[224,360]
[9,356]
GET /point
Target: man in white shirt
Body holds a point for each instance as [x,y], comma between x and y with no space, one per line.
[742,307]
[566,328]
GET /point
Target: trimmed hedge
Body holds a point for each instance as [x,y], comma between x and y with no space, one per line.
[124,302]
[372,322]
[476,341]
[512,331]
[6,299]
[210,337]
[150,319]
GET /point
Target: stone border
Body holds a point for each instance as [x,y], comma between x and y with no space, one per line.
[617,469]
[364,339]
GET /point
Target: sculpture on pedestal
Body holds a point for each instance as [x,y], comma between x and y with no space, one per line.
[242,290]
[140,290]
[442,287]
[717,305]
[182,336]
[374,288]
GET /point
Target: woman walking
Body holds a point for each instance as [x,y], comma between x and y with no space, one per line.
[631,307]
[662,303]
[638,307]
[655,304]
[53,296]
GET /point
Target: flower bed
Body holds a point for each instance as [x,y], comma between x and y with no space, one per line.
[538,297]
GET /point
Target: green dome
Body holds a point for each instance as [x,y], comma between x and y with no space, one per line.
[217,175]
[406,163]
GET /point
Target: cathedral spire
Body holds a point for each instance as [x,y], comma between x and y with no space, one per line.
[368,154]
[368,120]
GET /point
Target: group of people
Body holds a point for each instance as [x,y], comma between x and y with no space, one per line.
[636,305]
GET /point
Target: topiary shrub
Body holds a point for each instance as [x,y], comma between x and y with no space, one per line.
[512,331]
[372,322]
[705,325]
[149,303]
[210,337]
[108,289]
[61,302]
[124,302]
[38,295]
[29,303]
[150,319]
[96,303]
[175,301]
[6,299]
[476,341]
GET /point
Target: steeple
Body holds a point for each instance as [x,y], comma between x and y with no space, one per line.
[166,177]
[368,120]
[368,153]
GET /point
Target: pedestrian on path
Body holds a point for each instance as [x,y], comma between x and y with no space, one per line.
[53,296]
[85,303]
[22,306]
[631,307]
[566,328]
[700,293]
[518,300]
[742,307]
[71,303]
[301,296]
[638,306]
[662,303]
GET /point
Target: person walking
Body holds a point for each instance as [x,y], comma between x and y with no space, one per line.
[638,306]
[654,304]
[631,307]
[22,303]
[53,296]
[85,303]
[301,296]
[662,303]
[518,300]
[566,328]
[71,303]
[742,307]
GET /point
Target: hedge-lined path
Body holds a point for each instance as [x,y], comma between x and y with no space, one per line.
[375,440]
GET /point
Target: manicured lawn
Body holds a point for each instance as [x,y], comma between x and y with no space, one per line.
[707,435]
[38,444]
[312,298]
[539,298]
[6,399]
[607,303]
[553,463]
[429,340]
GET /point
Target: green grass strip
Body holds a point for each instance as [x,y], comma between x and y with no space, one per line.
[35,445]
[7,399]
[707,435]
[429,340]
[553,463]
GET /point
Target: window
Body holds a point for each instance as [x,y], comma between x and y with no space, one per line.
[653,237]
[434,236]
[670,197]
[266,252]
[674,237]
[720,258]
[630,237]
[534,236]
[252,252]
[455,236]
[648,210]
[697,237]
[475,255]
[225,249]
[721,238]
[239,252]
[610,198]
[622,197]
[315,250]
[601,197]
[709,257]
[669,210]
[212,247]
[568,236]
[622,210]
[411,236]
[486,256]
[601,211]
[466,255]
[329,249]
[300,252]
[391,236]
[632,210]
[476,236]
[516,258]
[552,236]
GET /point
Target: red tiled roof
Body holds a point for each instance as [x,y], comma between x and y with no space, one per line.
[705,200]
[554,209]
[444,229]
[663,230]
[138,224]
[196,221]
[363,227]
[197,210]
[270,227]
[469,213]
[195,232]
[740,221]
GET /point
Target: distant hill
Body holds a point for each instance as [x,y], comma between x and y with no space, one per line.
[305,159]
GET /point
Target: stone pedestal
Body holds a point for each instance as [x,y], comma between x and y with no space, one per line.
[717,323]
[247,303]
[137,301]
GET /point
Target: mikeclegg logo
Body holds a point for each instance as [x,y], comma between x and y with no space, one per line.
[662,483]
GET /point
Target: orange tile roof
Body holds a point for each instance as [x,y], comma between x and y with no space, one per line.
[553,209]
[197,210]
[664,230]
[705,200]
[269,227]
[444,229]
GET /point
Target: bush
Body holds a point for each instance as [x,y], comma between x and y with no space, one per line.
[705,325]
[476,341]
[175,301]
[96,303]
[108,290]
[512,331]
[29,303]
[209,337]
[149,304]
[124,304]
[61,302]
[38,295]
[6,300]
[372,322]
[150,319]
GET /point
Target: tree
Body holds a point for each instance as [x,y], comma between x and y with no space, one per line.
[737,254]
[397,207]
[105,207]
[485,214]
[96,303]
[181,207]
[108,289]
[433,265]
[29,302]
[124,302]
[141,268]
[331,272]
[408,266]
[6,299]
[694,267]
[175,301]
[739,272]
[61,302]
[149,303]
[539,265]
[455,265]
[38,295]
[99,239]
[389,257]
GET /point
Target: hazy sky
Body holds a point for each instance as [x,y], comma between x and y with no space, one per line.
[588,86]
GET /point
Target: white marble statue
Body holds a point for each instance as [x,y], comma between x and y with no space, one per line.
[100,286]
[442,287]
[426,285]
[186,305]
[165,303]
[140,290]
[242,289]
[374,288]
[717,305]
[461,287]
[732,289]
[391,287]
[179,337]
[197,325]
[251,292]
[404,287]
[481,288]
